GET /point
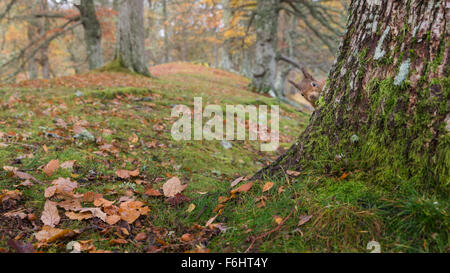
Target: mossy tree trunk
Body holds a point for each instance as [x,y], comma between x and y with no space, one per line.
[92,33]
[385,109]
[131,36]
[266,25]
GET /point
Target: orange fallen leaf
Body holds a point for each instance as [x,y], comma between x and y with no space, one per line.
[278,219]
[187,238]
[124,174]
[245,188]
[345,175]
[51,167]
[141,236]
[79,216]
[268,186]
[152,192]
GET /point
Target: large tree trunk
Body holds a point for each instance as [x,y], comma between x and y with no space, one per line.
[266,24]
[385,108]
[225,57]
[131,40]
[45,25]
[92,33]
[166,33]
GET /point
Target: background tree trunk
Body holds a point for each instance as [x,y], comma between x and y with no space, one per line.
[131,40]
[266,26]
[92,33]
[225,57]
[385,108]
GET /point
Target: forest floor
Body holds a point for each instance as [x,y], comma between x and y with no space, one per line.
[89,164]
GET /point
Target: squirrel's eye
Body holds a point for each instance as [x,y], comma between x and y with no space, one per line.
[314,84]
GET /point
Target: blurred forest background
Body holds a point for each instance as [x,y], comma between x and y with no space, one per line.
[46,38]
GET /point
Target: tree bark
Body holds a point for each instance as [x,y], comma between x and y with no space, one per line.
[45,25]
[131,42]
[266,24]
[92,33]
[225,57]
[385,109]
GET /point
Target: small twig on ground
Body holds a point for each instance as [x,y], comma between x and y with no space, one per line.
[262,236]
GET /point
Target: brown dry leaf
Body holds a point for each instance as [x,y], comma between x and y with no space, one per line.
[187,237]
[88,197]
[96,212]
[113,219]
[64,186]
[281,190]
[134,173]
[152,192]
[118,242]
[26,183]
[7,194]
[99,201]
[124,174]
[237,181]
[51,167]
[49,192]
[141,236]
[131,210]
[173,187]
[293,173]
[268,186]
[245,188]
[16,213]
[68,164]
[49,234]
[210,221]
[70,205]
[304,219]
[50,216]
[79,216]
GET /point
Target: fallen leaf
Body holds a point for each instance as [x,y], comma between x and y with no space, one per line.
[191,208]
[237,181]
[50,216]
[345,175]
[245,188]
[96,212]
[113,219]
[293,173]
[141,236]
[278,219]
[51,167]
[152,192]
[68,164]
[124,174]
[49,234]
[304,219]
[172,187]
[187,238]
[79,216]
[268,186]
[118,242]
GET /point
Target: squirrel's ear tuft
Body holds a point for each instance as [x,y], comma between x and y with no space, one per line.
[307,75]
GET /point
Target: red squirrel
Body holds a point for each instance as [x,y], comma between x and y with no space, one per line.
[309,87]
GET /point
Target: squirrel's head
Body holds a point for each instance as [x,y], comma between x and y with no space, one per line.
[309,87]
